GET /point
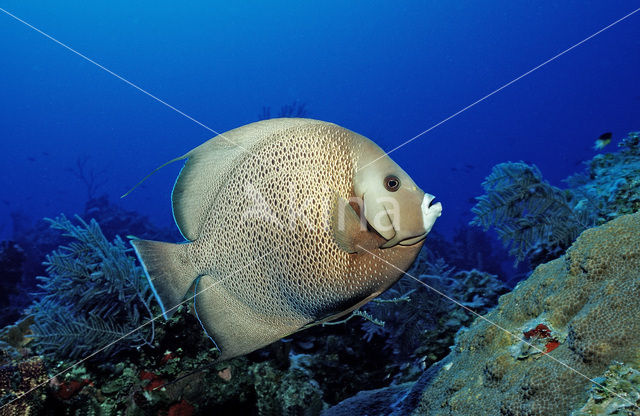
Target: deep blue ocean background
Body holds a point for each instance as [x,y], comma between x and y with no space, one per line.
[387,70]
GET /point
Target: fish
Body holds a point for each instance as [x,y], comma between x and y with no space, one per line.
[288,223]
[602,141]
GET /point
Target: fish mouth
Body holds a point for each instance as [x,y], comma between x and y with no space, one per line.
[413,240]
[430,212]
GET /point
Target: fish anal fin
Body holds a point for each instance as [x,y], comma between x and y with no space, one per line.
[235,326]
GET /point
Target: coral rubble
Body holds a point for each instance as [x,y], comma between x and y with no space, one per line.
[615,393]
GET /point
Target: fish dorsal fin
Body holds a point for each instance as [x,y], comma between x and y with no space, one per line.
[346,224]
[208,164]
[150,174]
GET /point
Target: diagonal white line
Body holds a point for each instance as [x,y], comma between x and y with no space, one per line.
[503,87]
[131,332]
[119,77]
[519,338]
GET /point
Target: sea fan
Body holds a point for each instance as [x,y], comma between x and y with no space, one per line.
[528,213]
[94,298]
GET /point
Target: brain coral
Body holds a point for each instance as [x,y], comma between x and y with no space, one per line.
[581,313]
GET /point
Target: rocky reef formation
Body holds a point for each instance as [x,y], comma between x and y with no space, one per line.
[587,302]
[616,393]
[565,340]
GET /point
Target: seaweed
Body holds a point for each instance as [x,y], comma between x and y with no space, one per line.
[93,297]
[530,215]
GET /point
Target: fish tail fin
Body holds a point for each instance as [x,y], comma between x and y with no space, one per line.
[169,270]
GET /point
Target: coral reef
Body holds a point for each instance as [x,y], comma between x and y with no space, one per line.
[611,184]
[573,309]
[316,366]
[37,239]
[566,339]
[17,380]
[538,221]
[529,214]
[590,294]
[413,336]
[15,338]
[174,375]
[293,392]
[94,295]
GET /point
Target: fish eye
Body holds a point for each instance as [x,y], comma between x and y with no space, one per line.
[392,183]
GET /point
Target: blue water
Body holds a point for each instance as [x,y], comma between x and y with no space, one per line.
[388,70]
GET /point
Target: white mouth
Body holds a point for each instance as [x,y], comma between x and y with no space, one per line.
[430,212]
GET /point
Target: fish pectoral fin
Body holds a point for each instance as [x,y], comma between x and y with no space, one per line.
[346,224]
[343,313]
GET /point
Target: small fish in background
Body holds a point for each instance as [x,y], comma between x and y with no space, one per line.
[603,140]
[310,224]
[466,168]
